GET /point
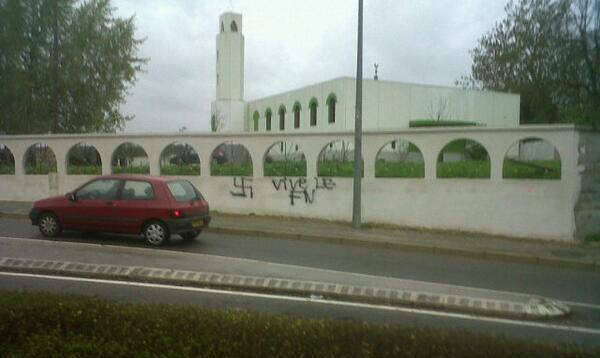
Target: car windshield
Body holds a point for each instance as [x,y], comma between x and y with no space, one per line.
[183,190]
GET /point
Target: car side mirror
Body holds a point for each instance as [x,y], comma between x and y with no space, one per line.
[71,197]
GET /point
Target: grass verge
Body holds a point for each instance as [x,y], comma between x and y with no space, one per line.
[42,325]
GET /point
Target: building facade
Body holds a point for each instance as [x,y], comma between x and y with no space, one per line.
[329,106]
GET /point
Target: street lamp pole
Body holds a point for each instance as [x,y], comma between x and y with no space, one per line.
[358,164]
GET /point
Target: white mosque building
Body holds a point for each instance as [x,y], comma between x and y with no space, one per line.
[329,106]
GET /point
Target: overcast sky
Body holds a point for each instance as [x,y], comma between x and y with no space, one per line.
[290,44]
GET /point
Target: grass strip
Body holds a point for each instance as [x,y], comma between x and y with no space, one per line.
[50,325]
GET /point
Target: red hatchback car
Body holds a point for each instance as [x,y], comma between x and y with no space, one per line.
[156,207]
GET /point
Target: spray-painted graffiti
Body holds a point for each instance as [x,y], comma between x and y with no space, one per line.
[243,186]
[300,189]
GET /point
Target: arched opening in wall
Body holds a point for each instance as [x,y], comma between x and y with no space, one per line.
[255,119]
[268,117]
[39,160]
[296,109]
[230,159]
[331,103]
[222,27]
[7,161]
[84,159]
[284,159]
[313,105]
[282,111]
[463,158]
[399,159]
[336,159]
[179,159]
[532,158]
[130,158]
[234,27]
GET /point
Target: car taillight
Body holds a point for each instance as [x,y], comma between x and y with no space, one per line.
[176,214]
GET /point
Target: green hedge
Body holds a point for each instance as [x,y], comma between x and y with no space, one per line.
[7,169]
[143,169]
[40,169]
[230,169]
[538,169]
[182,169]
[417,123]
[84,170]
[335,169]
[399,170]
[289,168]
[45,325]
[464,169]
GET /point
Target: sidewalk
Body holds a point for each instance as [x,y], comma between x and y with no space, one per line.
[572,255]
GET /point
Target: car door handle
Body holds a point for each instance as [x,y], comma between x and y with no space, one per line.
[110,203]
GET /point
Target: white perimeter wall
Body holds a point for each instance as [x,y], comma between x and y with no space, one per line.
[541,209]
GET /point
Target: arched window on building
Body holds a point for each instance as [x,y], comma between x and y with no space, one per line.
[296,109]
[282,117]
[256,117]
[222,27]
[331,102]
[234,27]
[313,105]
[268,115]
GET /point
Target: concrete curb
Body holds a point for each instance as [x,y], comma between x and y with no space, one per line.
[498,255]
[399,245]
[536,308]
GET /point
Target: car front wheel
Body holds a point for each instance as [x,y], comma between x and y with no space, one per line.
[49,225]
[156,233]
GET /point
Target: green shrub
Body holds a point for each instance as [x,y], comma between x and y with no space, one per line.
[7,169]
[593,238]
[45,325]
[84,170]
[335,169]
[538,169]
[399,170]
[41,169]
[289,168]
[417,123]
[464,169]
[142,169]
[230,169]
[181,169]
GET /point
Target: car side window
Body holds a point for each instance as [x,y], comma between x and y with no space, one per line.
[103,189]
[137,190]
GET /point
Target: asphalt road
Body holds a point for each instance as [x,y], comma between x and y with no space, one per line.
[579,288]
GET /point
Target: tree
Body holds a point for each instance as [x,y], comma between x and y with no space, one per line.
[436,110]
[81,92]
[549,52]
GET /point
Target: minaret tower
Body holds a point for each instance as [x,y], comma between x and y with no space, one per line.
[229,108]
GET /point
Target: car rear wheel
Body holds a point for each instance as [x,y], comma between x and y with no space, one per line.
[190,235]
[49,225]
[156,233]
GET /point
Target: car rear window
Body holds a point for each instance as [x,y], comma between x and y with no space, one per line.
[183,190]
[137,190]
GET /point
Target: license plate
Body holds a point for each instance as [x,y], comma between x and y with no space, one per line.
[197,223]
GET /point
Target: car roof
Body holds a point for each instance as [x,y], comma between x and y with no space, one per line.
[150,178]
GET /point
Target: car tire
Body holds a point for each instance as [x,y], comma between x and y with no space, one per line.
[156,233]
[190,235]
[49,225]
